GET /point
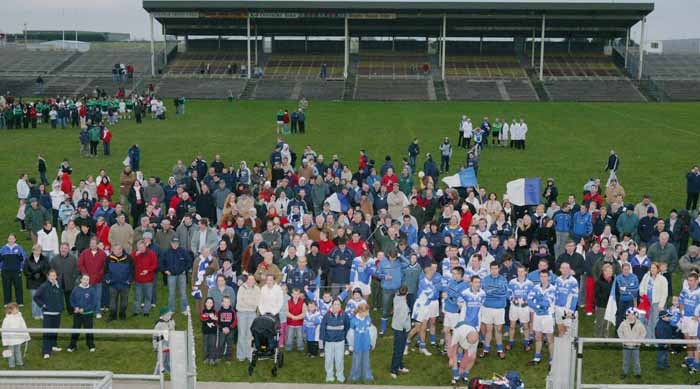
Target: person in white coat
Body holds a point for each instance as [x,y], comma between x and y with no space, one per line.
[655,286]
[514,132]
[505,133]
[47,238]
[271,297]
[13,340]
[465,132]
[523,133]
[22,187]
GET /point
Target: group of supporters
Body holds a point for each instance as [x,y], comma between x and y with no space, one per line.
[299,237]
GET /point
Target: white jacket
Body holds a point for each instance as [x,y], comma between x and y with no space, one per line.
[271,300]
[48,242]
[22,189]
[14,322]
[659,292]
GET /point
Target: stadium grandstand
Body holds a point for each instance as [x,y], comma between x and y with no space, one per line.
[377,50]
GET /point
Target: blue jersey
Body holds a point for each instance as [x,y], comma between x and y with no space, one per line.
[472,305]
[496,289]
[456,233]
[362,272]
[628,285]
[689,301]
[534,277]
[481,272]
[675,312]
[362,340]
[541,299]
[312,323]
[567,292]
[454,291]
[323,306]
[446,269]
[519,291]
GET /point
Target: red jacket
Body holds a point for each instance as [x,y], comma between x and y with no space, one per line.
[325,247]
[83,111]
[357,248]
[295,309]
[144,262]
[106,135]
[105,191]
[66,184]
[389,182]
[465,222]
[102,234]
[92,265]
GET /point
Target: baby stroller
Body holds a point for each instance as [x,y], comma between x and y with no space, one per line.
[266,332]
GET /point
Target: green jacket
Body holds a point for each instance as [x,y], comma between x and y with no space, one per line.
[667,255]
[405,184]
[34,218]
[94,134]
[628,224]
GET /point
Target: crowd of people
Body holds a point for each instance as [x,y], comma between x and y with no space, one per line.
[324,245]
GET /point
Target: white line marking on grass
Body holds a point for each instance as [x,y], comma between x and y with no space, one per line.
[648,121]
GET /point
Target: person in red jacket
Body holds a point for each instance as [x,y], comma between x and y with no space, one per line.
[102,232]
[66,185]
[105,189]
[106,136]
[390,179]
[32,115]
[357,245]
[82,112]
[145,265]
[362,163]
[296,309]
[92,262]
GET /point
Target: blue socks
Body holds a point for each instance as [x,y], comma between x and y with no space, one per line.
[455,373]
[432,338]
[538,357]
[511,342]
[460,355]
[383,326]
[487,348]
[499,347]
[465,376]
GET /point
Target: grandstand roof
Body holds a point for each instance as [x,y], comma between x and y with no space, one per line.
[589,18]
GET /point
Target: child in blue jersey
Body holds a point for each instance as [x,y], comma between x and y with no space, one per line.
[675,311]
[312,321]
[518,291]
[452,302]
[361,272]
[354,302]
[493,311]
[689,302]
[410,279]
[628,286]
[473,298]
[426,307]
[541,301]
[565,303]
[363,343]
[323,304]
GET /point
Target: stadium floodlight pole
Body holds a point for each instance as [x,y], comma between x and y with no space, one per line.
[153,48]
[256,43]
[248,44]
[25,36]
[641,49]
[627,46]
[532,57]
[444,41]
[346,53]
[542,49]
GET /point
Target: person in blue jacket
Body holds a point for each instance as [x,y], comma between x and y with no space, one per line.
[50,298]
[542,265]
[134,157]
[493,311]
[340,260]
[562,228]
[119,274]
[390,272]
[581,224]
[362,344]
[627,292]
[174,263]
[334,327]
[12,257]
[566,301]
[83,300]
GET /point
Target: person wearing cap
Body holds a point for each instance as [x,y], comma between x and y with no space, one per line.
[641,209]
[631,328]
[35,216]
[663,330]
[174,263]
[550,193]
[645,228]
[627,222]
[445,155]
[430,168]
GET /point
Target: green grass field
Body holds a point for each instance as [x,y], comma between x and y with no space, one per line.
[657,144]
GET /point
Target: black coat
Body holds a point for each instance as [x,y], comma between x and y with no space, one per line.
[205,206]
[50,298]
[67,269]
[36,271]
[602,291]
[574,260]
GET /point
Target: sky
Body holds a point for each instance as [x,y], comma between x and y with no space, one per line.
[671,19]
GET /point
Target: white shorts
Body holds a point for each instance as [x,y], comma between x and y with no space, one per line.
[459,337]
[451,320]
[366,289]
[559,313]
[521,314]
[689,326]
[495,316]
[426,312]
[543,324]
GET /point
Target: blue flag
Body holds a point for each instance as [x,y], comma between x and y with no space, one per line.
[465,178]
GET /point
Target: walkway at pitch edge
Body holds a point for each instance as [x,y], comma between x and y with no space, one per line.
[262,385]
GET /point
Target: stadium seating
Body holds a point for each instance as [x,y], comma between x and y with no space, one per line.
[396,90]
[63,86]
[194,62]
[19,60]
[578,65]
[103,83]
[484,67]
[199,88]
[671,66]
[17,86]
[592,90]
[303,66]
[274,89]
[517,90]
[101,61]
[391,64]
[681,90]
[322,90]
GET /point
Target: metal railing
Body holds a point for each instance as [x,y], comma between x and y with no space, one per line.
[156,376]
[48,378]
[191,354]
[579,343]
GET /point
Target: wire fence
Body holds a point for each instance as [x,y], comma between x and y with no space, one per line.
[55,379]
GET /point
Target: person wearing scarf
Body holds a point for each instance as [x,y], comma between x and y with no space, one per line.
[203,277]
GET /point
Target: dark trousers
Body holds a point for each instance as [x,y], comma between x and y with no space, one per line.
[93,148]
[118,300]
[138,118]
[691,201]
[50,338]
[410,300]
[105,146]
[399,346]
[312,347]
[225,342]
[34,123]
[444,163]
[302,127]
[669,280]
[294,126]
[662,357]
[86,321]
[104,297]
[12,280]
[620,315]
[460,139]
[42,177]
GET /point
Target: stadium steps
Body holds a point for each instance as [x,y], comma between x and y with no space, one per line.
[296,91]
[249,90]
[349,88]
[502,90]
[431,90]
[440,92]
[65,63]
